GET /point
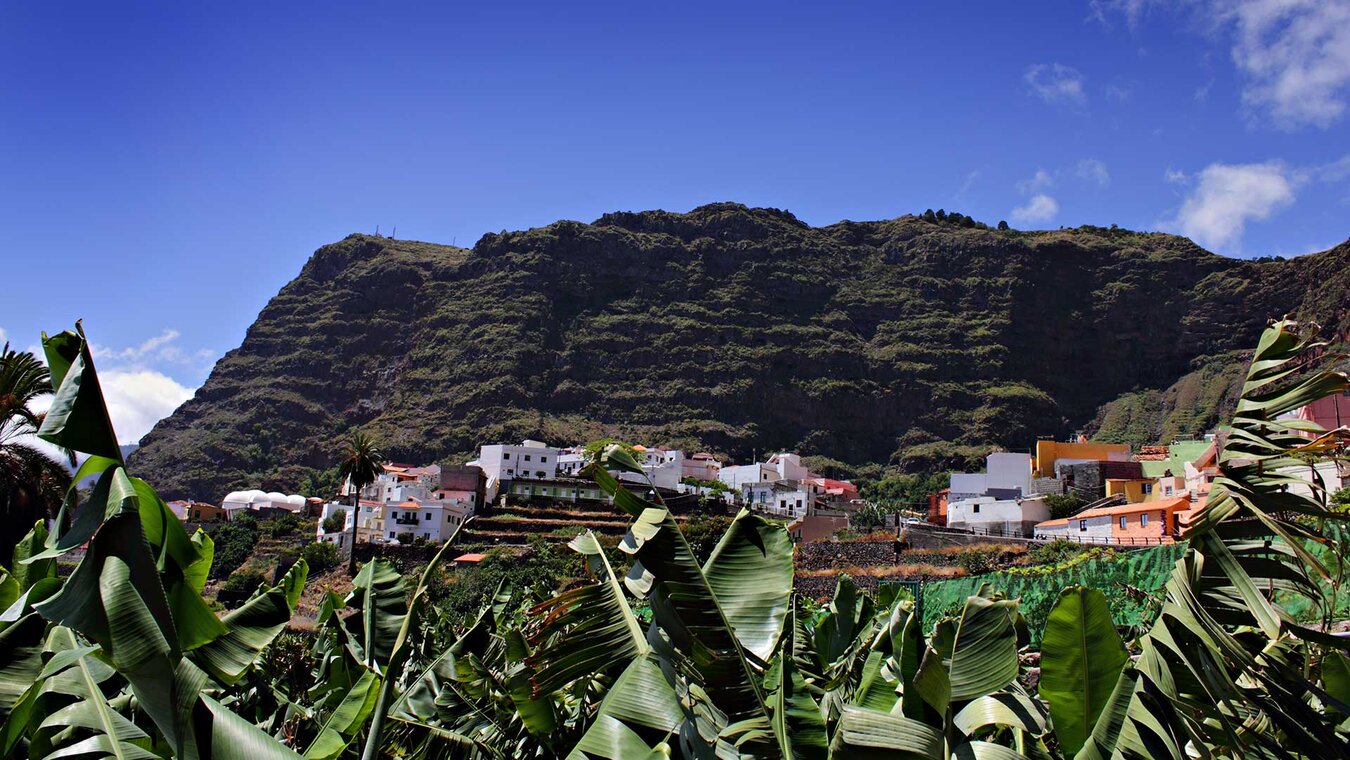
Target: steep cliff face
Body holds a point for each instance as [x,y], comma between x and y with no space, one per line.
[729,329]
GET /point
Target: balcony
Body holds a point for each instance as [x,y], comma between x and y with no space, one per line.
[408,520]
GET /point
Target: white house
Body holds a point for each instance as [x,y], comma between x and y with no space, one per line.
[788,466]
[529,460]
[784,498]
[1334,476]
[738,475]
[1006,474]
[432,522]
[571,462]
[1001,517]
[663,467]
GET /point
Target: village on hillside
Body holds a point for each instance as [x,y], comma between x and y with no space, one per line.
[1079,490]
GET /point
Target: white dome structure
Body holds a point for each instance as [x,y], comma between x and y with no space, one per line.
[296,499]
[255,496]
[236,497]
[277,498]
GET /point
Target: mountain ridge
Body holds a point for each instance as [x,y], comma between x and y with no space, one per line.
[910,342]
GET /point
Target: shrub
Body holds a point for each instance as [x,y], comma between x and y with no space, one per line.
[978,561]
[1341,497]
[234,541]
[1056,551]
[243,584]
[336,522]
[1062,505]
[320,555]
[283,525]
[703,532]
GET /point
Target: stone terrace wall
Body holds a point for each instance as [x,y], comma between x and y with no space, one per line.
[831,554]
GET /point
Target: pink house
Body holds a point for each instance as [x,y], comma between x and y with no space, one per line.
[701,466]
[1330,412]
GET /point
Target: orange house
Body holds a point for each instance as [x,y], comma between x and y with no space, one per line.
[937,506]
[1149,522]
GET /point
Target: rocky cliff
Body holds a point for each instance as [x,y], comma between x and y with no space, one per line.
[911,342]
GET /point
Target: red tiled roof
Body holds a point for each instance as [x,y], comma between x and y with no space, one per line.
[470,558]
[1129,509]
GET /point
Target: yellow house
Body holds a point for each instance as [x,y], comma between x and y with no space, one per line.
[1049,452]
[1135,490]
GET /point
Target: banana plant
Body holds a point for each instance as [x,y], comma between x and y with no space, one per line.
[111,653]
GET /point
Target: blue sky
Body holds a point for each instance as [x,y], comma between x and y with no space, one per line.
[165,169]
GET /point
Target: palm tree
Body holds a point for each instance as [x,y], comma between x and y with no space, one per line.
[32,483]
[362,462]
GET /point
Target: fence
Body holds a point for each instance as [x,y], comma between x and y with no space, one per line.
[1106,540]
[1091,540]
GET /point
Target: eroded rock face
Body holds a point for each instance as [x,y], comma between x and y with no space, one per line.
[725,329]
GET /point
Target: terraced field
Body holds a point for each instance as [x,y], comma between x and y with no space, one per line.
[513,525]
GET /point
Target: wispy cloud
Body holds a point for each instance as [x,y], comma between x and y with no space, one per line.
[970,180]
[1041,208]
[1102,11]
[1093,170]
[1333,172]
[1056,84]
[1041,180]
[161,349]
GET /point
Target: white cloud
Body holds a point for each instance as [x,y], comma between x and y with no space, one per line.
[3,336]
[1296,56]
[1056,83]
[1227,196]
[1041,208]
[137,399]
[1176,176]
[1093,170]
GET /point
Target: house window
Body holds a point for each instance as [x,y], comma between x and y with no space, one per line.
[1082,525]
[391,534]
[976,510]
[543,459]
[505,455]
[1143,519]
[1167,490]
[428,517]
[539,473]
[1148,488]
[394,515]
[782,503]
[1122,522]
[527,457]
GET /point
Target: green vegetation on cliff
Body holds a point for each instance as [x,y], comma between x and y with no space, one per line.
[903,343]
